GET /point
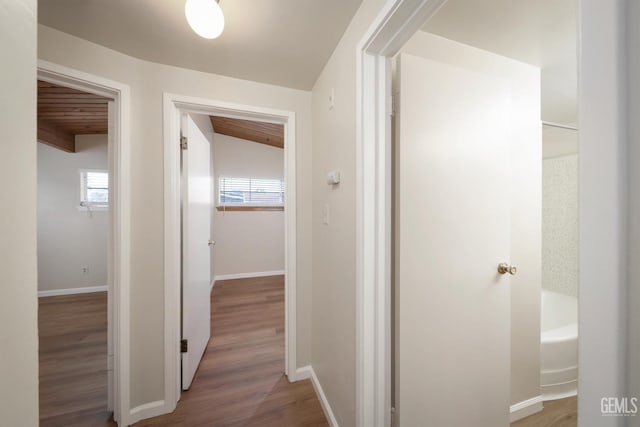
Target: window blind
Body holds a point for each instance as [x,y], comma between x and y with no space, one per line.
[250,191]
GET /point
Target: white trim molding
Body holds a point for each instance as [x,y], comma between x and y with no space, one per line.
[307,372]
[72,291]
[249,275]
[525,408]
[394,26]
[119,239]
[174,105]
[148,410]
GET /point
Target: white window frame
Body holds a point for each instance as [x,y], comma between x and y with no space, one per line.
[84,204]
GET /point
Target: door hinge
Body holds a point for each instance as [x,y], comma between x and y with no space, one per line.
[184,346]
[392,107]
[183,142]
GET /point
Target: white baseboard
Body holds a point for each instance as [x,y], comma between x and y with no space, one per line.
[72,291]
[525,408]
[148,410]
[248,275]
[303,373]
[307,372]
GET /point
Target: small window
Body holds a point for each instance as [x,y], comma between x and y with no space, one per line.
[94,188]
[250,192]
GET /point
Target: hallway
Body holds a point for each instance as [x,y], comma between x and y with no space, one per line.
[241,381]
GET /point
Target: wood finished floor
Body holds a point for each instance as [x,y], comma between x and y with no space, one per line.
[73,360]
[556,413]
[241,381]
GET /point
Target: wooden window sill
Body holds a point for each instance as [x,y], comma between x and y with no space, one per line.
[249,208]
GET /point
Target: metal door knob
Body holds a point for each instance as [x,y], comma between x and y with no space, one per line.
[212,242]
[504,268]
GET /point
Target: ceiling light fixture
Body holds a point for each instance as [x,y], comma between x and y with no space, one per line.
[204,17]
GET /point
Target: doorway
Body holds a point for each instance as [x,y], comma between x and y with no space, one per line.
[73,209]
[174,107]
[396,23]
[111,182]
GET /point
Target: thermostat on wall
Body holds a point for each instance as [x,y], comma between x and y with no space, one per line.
[333,178]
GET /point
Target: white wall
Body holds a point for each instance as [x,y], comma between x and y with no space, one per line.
[525,196]
[334,245]
[18,271]
[560,224]
[70,239]
[147,82]
[247,241]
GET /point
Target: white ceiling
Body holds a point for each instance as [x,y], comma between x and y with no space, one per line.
[282,42]
[539,32]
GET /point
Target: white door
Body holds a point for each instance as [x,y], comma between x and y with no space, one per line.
[196,248]
[453,229]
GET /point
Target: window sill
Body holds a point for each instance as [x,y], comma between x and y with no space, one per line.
[249,208]
[93,208]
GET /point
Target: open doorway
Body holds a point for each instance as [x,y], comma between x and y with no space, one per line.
[243,161]
[73,210]
[474,88]
[395,25]
[240,173]
[83,240]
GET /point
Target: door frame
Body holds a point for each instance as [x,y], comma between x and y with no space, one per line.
[174,106]
[603,227]
[119,235]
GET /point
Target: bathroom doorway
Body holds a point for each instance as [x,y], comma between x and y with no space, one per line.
[461,150]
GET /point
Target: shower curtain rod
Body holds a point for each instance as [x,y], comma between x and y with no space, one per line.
[559,125]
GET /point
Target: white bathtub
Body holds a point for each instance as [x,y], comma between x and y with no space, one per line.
[558,346]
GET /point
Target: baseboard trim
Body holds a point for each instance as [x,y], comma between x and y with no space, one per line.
[307,372]
[249,275]
[303,373]
[525,408]
[148,410]
[72,291]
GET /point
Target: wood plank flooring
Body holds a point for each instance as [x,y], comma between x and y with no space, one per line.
[556,413]
[73,360]
[241,381]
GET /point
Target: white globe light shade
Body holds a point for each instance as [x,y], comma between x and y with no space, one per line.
[204,17]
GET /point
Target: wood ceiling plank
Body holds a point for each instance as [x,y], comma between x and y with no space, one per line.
[264,133]
[71,111]
[51,135]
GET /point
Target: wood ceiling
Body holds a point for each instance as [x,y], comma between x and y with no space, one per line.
[264,133]
[64,113]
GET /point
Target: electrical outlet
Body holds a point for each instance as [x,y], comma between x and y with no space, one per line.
[332,99]
[85,270]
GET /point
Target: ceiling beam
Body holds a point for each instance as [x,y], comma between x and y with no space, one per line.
[57,138]
[271,134]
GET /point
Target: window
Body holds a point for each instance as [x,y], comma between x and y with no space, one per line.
[94,188]
[250,192]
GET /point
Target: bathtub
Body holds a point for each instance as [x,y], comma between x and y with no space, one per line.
[558,346]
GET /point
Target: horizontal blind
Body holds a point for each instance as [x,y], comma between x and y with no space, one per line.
[96,188]
[250,191]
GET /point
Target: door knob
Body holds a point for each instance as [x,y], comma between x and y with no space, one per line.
[504,268]
[212,242]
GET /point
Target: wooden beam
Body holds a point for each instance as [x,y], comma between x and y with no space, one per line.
[57,138]
[263,133]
